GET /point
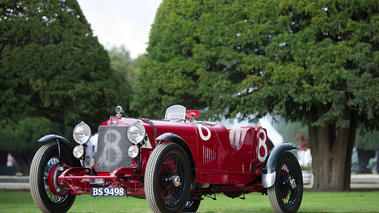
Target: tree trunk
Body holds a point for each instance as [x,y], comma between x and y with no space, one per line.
[331,149]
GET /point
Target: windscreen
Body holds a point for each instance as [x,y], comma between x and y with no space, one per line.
[175,112]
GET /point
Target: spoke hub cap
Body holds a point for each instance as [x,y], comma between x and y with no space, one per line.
[292,183]
[176,181]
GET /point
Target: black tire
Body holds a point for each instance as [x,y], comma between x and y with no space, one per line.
[192,206]
[45,159]
[287,192]
[166,163]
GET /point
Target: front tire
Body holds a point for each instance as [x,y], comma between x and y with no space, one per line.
[43,168]
[167,178]
[287,192]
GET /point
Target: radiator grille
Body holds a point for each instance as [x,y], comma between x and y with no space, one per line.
[112,148]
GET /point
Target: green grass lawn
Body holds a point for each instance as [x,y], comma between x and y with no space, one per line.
[356,201]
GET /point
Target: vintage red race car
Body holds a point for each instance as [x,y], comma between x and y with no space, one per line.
[173,163]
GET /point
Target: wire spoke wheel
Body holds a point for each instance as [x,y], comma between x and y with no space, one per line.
[287,192]
[167,178]
[172,168]
[54,197]
[47,194]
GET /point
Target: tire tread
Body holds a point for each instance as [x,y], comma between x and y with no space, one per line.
[149,177]
[272,192]
[152,167]
[37,167]
[34,184]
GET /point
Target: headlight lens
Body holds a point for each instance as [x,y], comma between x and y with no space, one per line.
[81,133]
[78,151]
[136,133]
[133,151]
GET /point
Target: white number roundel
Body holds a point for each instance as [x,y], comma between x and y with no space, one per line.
[112,145]
[202,136]
[262,143]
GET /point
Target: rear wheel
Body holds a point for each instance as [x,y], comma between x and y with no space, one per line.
[167,178]
[47,194]
[287,192]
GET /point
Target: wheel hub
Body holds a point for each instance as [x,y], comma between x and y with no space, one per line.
[292,183]
[55,188]
[176,180]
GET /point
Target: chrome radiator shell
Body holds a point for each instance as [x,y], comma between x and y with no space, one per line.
[112,148]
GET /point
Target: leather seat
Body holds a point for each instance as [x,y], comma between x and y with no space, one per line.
[237,136]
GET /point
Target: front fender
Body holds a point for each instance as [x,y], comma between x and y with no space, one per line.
[269,173]
[58,139]
[178,140]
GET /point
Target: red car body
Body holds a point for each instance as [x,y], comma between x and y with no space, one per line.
[221,160]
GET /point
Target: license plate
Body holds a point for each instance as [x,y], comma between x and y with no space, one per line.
[107,191]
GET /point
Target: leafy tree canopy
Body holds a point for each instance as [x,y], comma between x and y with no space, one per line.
[20,138]
[312,61]
[289,130]
[52,65]
[121,62]
[135,65]
[367,140]
[239,58]
[23,137]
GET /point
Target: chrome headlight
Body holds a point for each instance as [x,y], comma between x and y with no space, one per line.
[78,151]
[136,133]
[81,133]
[133,151]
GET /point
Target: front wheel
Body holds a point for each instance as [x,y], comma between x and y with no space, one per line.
[287,192]
[167,178]
[47,194]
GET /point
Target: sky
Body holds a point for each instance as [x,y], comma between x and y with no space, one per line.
[121,22]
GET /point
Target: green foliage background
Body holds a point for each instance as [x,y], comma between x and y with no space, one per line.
[22,137]
[233,59]
[54,73]
[366,140]
[121,62]
[243,58]
[52,66]
[310,61]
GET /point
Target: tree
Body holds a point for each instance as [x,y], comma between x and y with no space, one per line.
[314,62]
[121,62]
[367,140]
[289,130]
[52,65]
[168,75]
[21,139]
[135,65]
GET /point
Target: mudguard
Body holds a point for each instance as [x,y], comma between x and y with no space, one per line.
[178,140]
[59,139]
[170,137]
[269,173]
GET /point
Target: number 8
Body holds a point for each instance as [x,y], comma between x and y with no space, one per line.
[262,143]
[112,145]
